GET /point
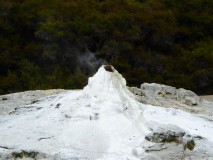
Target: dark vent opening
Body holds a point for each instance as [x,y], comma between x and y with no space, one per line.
[108,68]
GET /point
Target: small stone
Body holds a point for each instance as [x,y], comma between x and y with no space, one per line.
[4,98]
[67,116]
[57,105]
[190,144]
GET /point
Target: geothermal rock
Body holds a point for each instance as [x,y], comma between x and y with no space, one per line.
[165,133]
[157,91]
[102,121]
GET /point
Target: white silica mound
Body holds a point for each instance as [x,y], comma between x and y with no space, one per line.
[103,121]
[109,85]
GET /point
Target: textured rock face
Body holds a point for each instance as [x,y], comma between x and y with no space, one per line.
[157,91]
[154,90]
[168,133]
[173,151]
[188,97]
[168,96]
[10,102]
[170,142]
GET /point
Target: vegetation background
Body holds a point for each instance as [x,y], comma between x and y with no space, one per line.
[59,43]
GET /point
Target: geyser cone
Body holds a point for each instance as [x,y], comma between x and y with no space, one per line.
[107,81]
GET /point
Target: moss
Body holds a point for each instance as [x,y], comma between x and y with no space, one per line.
[24,154]
[190,145]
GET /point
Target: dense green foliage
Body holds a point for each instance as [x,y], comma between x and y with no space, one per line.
[48,43]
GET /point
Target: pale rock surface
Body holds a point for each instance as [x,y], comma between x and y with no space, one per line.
[170,97]
[101,122]
[153,91]
[164,133]
[9,102]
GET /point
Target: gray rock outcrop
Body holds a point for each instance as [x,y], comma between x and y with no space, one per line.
[166,133]
[168,96]
[169,142]
[174,151]
[158,91]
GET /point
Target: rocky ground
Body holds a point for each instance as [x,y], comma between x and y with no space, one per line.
[169,142]
[167,124]
[9,102]
[170,97]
